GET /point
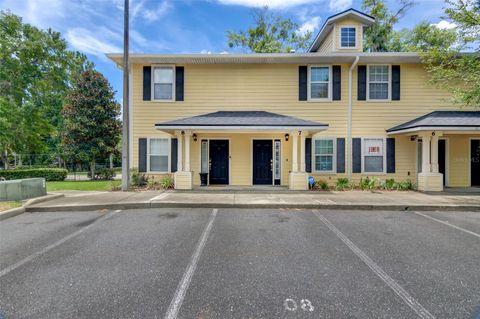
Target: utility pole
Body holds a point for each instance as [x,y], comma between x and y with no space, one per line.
[125,113]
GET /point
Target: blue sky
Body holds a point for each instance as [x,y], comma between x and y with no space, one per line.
[95,27]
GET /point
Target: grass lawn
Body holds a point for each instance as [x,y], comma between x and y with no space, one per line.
[83,185]
[8,205]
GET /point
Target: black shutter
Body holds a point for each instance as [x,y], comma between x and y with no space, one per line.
[179,79]
[340,155]
[395,82]
[142,154]
[390,155]
[147,83]
[302,82]
[308,155]
[337,82]
[362,83]
[356,155]
[174,155]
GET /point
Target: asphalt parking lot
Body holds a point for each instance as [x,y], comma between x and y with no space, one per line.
[240,263]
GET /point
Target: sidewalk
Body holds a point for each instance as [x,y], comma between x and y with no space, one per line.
[82,201]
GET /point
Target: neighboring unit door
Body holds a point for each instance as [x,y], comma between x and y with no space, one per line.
[218,151]
[475,162]
[441,159]
[262,162]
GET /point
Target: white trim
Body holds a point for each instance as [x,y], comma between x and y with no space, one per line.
[470,139]
[334,155]
[435,128]
[309,93]
[152,82]
[279,161]
[384,155]
[169,154]
[130,119]
[341,47]
[389,86]
[280,129]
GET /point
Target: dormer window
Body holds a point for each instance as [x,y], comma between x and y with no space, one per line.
[348,37]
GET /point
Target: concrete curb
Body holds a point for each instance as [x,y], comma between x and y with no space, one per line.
[20,210]
[12,213]
[125,206]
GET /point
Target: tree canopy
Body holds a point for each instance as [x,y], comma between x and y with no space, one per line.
[270,34]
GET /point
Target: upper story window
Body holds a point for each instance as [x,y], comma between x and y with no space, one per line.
[324,153]
[373,155]
[158,154]
[378,82]
[348,37]
[319,83]
[163,79]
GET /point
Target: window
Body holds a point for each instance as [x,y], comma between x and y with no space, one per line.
[348,39]
[324,155]
[378,82]
[163,83]
[159,150]
[204,157]
[373,155]
[277,160]
[319,83]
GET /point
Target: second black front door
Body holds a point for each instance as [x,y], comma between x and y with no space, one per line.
[475,162]
[218,151]
[262,162]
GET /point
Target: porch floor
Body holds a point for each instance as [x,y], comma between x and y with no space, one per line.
[243,189]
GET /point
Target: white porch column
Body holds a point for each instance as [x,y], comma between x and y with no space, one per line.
[180,151]
[187,150]
[426,167]
[294,136]
[434,148]
[302,151]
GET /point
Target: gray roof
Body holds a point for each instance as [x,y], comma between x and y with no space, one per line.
[241,119]
[443,120]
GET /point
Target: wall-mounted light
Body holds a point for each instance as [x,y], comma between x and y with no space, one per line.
[433,133]
[413,138]
[287,136]
[299,133]
[194,137]
[183,132]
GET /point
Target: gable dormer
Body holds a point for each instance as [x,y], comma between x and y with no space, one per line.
[342,32]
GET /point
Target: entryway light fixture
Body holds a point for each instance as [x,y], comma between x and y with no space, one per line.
[194,137]
[287,136]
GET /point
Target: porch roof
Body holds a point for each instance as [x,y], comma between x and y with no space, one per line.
[441,121]
[242,120]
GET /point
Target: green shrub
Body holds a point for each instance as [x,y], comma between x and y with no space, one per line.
[167,182]
[102,174]
[405,185]
[323,185]
[153,184]
[389,184]
[50,174]
[139,179]
[364,183]
[342,184]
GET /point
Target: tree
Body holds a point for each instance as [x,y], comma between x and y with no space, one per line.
[423,37]
[452,67]
[36,71]
[378,36]
[270,34]
[91,119]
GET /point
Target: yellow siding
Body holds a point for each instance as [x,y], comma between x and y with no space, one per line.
[359,35]
[327,45]
[459,159]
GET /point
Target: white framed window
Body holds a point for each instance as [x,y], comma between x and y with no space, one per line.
[319,83]
[204,157]
[373,155]
[163,84]
[379,79]
[348,37]
[159,155]
[324,155]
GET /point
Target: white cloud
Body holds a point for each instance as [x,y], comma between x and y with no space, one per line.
[138,38]
[445,25]
[88,42]
[311,25]
[339,5]
[152,15]
[274,4]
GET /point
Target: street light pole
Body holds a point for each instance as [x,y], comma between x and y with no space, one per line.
[125,113]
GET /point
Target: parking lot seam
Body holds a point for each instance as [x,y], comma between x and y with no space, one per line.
[182,288]
[389,281]
[27,259]
[447,224]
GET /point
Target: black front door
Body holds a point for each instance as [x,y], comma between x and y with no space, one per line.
[475,162]
[262,162]
[441,158]
[218,151]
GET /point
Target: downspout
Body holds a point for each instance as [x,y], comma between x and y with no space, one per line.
[349,122]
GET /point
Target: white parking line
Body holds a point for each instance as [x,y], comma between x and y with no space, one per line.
[402,293]
[177,300]
[27,259]
[448,224]
[162,195]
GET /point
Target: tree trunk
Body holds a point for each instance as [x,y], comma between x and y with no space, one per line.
[92,168]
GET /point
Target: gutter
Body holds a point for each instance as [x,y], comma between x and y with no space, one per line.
[349,122]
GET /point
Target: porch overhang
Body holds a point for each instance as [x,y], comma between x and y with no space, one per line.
[241,122]
[453,122]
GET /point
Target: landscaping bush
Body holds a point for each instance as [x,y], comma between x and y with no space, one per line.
[342,184]
[153,184]
[102,174]
[139,179]
[389,184]
[167,182]
[405,185]
[364,183]
[50,174]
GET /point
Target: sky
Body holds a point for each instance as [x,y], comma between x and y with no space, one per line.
[95,27]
